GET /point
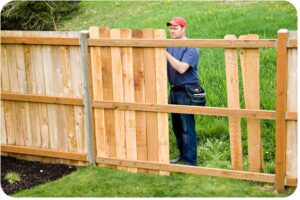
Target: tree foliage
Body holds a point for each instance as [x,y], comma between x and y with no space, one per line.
[36,15]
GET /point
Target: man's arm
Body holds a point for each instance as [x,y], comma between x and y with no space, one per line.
[180,67]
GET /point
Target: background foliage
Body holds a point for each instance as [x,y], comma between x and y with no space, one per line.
[36,15]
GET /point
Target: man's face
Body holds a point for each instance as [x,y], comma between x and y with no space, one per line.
[177,32]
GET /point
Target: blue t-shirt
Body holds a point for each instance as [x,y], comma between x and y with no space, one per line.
[187,55]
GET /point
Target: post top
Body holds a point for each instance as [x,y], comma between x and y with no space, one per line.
[282,31]
[84,31]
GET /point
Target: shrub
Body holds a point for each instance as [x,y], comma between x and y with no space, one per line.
[36,15]
[12,177]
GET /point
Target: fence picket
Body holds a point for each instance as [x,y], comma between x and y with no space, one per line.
[162,98]
[117,79]
[250,74]
[233,101]
[150,97]
[139,83]
[105,56]
[130,124]
[97,94]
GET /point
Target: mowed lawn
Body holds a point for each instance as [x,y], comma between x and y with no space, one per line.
[205,20]
[105,182]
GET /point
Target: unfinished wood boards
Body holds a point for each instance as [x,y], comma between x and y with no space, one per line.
[291,126]
[130,75]
[250,75]
[139,86]
[117,81]
[128,86]
[97,94]
[47,71]
[162,98]
[233,101]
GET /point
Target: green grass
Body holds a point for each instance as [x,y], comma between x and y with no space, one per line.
[105,182]
[205,20]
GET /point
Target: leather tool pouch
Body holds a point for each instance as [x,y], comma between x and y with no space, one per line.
[196,94]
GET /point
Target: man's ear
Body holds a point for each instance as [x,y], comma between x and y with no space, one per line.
[184,29]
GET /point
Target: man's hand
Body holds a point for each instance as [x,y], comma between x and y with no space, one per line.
[180,67]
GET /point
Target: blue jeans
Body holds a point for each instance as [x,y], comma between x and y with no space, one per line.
[184,129]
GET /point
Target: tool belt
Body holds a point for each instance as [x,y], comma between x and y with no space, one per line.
[194,92]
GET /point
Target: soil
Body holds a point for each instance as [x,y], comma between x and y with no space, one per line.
[32,173]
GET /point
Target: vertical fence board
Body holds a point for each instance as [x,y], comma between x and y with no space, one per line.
[58,90]
[79,141]
[233,101]
[27,64]
[22,88]
[71,142]
[40,90]
[33,138]
[100,131]
[117,82]
[68,91]
[130,128]
[150,97]
[105,56]
[10,109]
[139,86]
[250,73]
[3,128]
[49,86]
[162,98]
[5,86]
[291,126]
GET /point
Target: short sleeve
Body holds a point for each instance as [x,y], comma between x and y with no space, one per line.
[191,57]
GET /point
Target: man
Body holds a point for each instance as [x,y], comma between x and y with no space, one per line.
[185,90]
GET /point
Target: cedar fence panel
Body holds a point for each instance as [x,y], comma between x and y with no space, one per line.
[47,71]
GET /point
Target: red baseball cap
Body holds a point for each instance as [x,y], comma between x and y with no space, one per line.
[177,21]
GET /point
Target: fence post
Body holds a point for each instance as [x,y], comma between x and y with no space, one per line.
[281,104]
[86,96]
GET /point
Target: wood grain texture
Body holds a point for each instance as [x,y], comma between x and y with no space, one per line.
[150,97]
[139,91]
[291,126]
[233,101]
[250,74]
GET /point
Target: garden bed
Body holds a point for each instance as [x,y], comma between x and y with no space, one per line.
[32,173]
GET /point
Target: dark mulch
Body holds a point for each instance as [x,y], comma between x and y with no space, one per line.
[32,173]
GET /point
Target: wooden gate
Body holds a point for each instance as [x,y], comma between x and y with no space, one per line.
[132,75]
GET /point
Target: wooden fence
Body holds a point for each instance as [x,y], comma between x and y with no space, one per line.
[103,98]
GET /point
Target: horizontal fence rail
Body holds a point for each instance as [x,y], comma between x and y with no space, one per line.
[42,99]
[212,111]
[40,40]
[44,152]
[235,174]
[205,43]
